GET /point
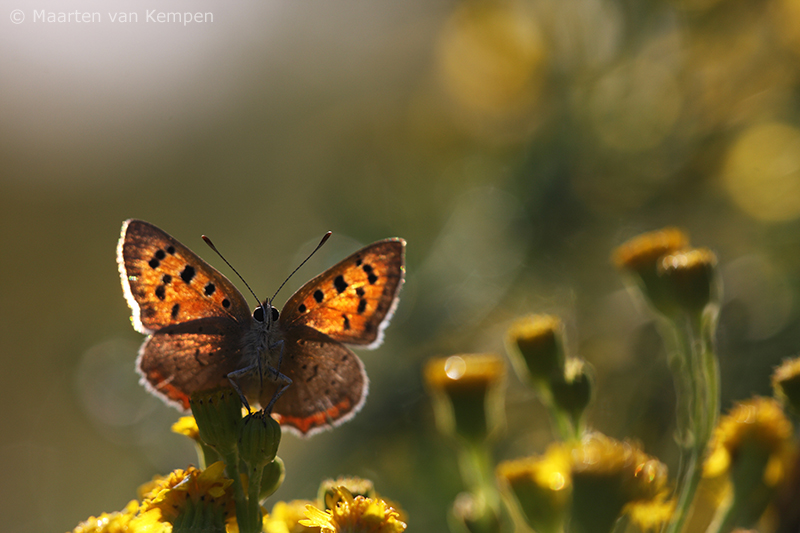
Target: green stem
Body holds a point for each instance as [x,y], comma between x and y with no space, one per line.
[476,472]
[242,517]
[696,341]
[253,489]
[563,424]
[678,361]
[560,420]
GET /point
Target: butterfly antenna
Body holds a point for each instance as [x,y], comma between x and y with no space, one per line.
[211,245]
[321,242]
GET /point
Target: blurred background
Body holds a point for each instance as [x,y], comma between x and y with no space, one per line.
[513,144]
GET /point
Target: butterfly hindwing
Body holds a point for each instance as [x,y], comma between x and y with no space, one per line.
[186,358]
[351,301]
[165,283]
[329,384]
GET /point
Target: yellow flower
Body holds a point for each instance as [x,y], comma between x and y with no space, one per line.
[117,522]
[187,426]
[759,424]
[539,487]
[608,475]
[751,453]
[169,498]
[643,251]
[354,515]
[286,516]
[651,515]
[328,489]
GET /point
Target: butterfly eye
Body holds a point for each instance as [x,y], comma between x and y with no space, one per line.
[258,314]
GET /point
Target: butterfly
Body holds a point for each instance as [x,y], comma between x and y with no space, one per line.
[202,334]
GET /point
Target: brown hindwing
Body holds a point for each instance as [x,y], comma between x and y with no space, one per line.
[328,387]
[187,358]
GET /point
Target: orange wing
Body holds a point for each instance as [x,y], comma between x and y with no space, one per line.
[165,283]
[352,301]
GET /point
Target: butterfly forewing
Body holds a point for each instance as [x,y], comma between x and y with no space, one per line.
[165,283]
[329,384]
[351,301]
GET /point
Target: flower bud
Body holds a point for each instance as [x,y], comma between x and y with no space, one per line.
[535,346]
[786,383]
[467,393]
[218,413]
[259,439]
[272,478]
[573,393]
[691,278]
[639,257]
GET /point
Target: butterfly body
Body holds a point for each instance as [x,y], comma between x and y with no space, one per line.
[202,334]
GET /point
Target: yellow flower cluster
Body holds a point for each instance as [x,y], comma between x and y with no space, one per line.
[166,501]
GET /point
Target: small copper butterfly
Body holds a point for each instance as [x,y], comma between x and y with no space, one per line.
[202,334]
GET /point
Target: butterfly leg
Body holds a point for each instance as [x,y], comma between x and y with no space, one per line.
[277,369]
[235,375]
[278,376]
[286,382]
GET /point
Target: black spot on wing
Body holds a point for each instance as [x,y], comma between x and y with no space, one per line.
[166,279]
[187,275]
[175,309]
[209,289]
[160,292]
[371,277]
[302,308]
[340,284]
[362,306]
[346,322]
[318,296]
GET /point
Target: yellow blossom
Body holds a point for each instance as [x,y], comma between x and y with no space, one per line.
[643,251]
[759,422]
[187,426]
[539,487]
[354,515]
[168,497]
[651,515]
[286,516]
[116,522]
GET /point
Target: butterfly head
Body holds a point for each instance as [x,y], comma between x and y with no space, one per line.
[272,313]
